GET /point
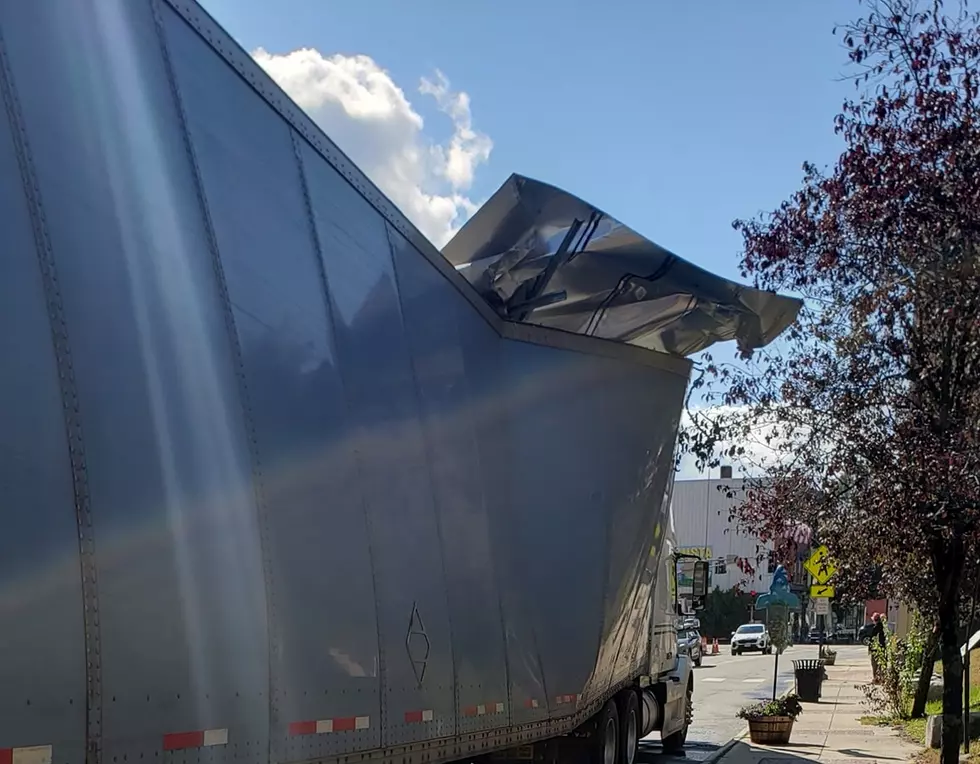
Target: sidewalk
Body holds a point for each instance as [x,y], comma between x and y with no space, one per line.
[831,731]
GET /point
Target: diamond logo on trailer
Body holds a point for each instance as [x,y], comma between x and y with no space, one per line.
[417,644]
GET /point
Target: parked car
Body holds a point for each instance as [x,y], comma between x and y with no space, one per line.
[751,637]
[816,637]
[689,643]
[864,634]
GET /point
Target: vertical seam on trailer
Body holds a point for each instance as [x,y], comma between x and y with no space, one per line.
[71,410]
[624,634]
[606,553]
[523,610]
[258,486]
[644,663]
[494,565]
[635,577]
[332,328]
[426,447]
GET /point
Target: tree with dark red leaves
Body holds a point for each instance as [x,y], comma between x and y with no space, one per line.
[870,404]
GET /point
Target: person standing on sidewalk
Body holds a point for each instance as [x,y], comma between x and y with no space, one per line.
[876,645]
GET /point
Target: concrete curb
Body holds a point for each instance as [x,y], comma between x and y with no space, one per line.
[725,749]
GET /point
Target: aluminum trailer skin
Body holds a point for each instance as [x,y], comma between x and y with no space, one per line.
[278,485]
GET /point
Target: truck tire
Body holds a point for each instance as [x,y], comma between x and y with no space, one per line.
[604,746]
[675,743]
[629,726]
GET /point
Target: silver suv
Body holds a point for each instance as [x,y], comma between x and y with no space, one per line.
[751,637]
[689,642]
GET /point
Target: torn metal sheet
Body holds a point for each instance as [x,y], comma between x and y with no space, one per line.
[542,256]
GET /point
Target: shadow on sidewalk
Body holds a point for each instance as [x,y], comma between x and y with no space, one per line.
[743,752]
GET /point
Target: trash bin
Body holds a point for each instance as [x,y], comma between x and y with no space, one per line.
[809,676]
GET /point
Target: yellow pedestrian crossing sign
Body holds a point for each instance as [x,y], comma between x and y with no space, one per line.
[820,566]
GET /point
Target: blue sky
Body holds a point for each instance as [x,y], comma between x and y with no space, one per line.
[674,117]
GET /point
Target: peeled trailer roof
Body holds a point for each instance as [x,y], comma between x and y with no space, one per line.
[539,255]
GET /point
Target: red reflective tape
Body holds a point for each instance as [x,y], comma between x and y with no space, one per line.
[470,711]
[413,717]
[6,756]
[302,728]
[177,740]
[347,724]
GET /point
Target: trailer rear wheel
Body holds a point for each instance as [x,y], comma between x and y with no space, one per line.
[604,748]
[629,726]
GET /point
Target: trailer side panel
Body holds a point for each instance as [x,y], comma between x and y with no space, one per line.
[306,499]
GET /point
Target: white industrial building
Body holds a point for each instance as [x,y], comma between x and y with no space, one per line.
[703,526]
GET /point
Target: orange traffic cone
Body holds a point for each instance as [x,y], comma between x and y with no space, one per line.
[704,644]
[714,647]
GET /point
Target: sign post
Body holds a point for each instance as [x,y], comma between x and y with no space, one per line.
[822,568]
[778,603]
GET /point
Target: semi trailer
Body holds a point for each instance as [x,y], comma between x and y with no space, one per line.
[282,482]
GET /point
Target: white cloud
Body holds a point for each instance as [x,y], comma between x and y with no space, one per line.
[370,118]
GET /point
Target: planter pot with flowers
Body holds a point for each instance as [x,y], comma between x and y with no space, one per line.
[828,656]
[771,722]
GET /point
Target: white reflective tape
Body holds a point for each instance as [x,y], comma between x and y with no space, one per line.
[35,754]
[499,708]
[427,716]
[481,710]
[362,722]
[215,737]
[324,725]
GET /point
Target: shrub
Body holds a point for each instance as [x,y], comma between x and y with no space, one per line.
[788,705]
[899,663]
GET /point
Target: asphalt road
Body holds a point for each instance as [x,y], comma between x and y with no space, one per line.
[722,685]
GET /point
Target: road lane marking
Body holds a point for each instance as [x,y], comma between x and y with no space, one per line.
[713,679]
[752,680]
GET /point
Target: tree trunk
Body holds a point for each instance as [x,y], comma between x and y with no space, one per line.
[925,676]
[948,568]
[952,688]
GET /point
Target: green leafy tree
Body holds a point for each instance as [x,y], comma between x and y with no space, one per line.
[871,402]
[724,611]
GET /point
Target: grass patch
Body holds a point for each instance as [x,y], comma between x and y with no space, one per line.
[876,721]
[915,729]
[931,756]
